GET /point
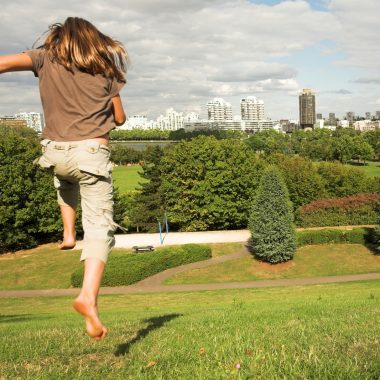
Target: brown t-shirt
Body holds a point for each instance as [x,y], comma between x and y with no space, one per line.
[77,105]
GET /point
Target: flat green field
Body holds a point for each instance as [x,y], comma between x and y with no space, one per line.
[306,332]
[126,178]
[372,169]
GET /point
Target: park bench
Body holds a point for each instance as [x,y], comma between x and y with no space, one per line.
[144,248]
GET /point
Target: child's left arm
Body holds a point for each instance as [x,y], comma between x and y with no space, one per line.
[15,62]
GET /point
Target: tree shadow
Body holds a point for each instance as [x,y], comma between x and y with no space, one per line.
[153,324]
[370,238]
[19,318]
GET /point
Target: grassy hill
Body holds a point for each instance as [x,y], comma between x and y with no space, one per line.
[306,332]
[46,267]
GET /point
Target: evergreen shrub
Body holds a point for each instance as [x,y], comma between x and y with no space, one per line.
[130,268]
[271,220]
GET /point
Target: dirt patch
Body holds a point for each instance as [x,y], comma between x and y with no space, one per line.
[275,268]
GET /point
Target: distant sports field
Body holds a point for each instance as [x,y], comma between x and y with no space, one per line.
[126,178]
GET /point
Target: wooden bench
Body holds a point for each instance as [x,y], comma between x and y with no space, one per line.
[144,248]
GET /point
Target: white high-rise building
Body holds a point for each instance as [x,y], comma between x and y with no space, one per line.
[33,120]
[219,110]
[171,121]
[191,117]
[136,122]
[252,109]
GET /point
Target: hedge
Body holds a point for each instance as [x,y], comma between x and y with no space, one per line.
[353,210]
[325,236]
[126,269]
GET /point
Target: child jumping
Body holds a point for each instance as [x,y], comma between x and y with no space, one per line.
[81,72]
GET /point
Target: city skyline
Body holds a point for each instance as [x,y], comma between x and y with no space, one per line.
[185,53]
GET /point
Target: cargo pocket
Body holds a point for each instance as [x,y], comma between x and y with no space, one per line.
[44,163]
[94,164]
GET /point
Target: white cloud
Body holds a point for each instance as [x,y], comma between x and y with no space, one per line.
[185,52]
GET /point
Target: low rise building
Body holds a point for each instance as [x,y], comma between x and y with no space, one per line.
[12,121]
[33,120]
[366,125]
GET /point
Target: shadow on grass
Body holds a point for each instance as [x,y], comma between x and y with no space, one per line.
[153,324]
[19,318]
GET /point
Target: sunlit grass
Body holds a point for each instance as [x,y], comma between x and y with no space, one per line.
[313,332]
[126,178]
[309,261]
[372,168]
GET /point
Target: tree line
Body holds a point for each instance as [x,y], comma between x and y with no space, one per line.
[343,144]
[201,184]
[209,184]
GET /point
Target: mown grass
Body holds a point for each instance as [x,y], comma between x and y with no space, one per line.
[126,178]
[309,261]
[46,267]
[314,332]
[372,168]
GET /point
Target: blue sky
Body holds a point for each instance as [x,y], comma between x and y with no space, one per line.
[184,54]
[320,5]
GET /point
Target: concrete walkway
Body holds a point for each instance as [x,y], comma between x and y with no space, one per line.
[205,237]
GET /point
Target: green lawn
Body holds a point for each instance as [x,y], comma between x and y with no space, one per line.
[372,168]
[47,267]
[309,261]
[126,178]
[306,332]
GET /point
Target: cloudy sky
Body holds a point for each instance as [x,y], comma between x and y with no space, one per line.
[184,53]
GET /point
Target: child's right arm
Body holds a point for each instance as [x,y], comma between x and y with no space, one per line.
[118,111]
[15,62]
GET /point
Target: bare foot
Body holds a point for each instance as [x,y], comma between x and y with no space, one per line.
[67,244]
[94,326]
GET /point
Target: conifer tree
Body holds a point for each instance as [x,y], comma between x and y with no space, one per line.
[148,204]
[271,220]
[376,233]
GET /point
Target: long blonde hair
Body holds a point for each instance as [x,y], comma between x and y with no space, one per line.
[78,43]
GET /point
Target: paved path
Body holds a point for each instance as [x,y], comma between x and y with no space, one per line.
[205,237]
[153,284]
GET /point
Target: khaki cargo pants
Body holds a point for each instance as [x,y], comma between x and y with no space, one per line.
[84,167]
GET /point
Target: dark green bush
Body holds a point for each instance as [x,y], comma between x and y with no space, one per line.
[271,221]
[126,269]
[326,236]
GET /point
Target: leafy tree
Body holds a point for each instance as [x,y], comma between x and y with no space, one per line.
[28,206]
[301,177]
[269,142]
[373,138]
[362,150]
[139,134]
[123,155]
[208,183]
[345,180]
[271,220]
[182,134]
[340,131]
[343,148]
